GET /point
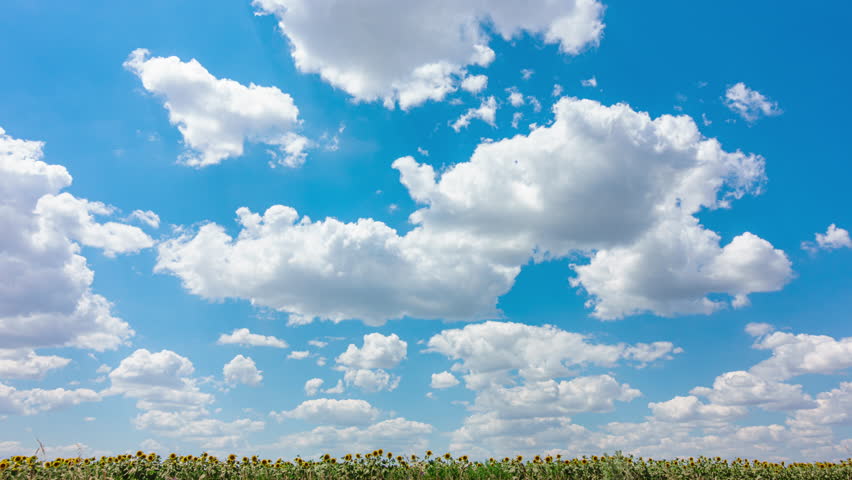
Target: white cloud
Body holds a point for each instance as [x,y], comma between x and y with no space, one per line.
[242,370]
[741,388]
[423,151]
[691,409]
[671,270]
[833,239]
[398,435]
[147,217]
[483,219]
[557,90]
[317,343]
[193,425]
[312,386]
[550,398]
[328,411]
[242,336]
[408,52]
[364,366]
[336,389]
[534,102]
[516,98]
[217,116]
[591,82]
[527,73]
[170,401]
[756,329]
[516,118]
[486,112]
[370,380]
[801,354]
[159,381]
[299,354]
[444,380]
[46,299]
[474,83]
[750,104]
[489,353]
[27,364]
[36,400]
[832,408]
[378,351]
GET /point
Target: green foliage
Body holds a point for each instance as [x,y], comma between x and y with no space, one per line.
[379,465]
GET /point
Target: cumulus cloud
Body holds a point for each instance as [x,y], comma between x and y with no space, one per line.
[691,409]
[36,400]
[750,104]
[833,239]
[409,52]
[398,435]
[170,400]
[242,370]
[590,82]
[242,336]
[474,83]
[378,351]
[217,116]
[365,366]
[745,389]
[27,364]
[147,217]
[799,354]
[312,386]
[486,112]
[328,411]
[483,219]
[158,381]
[46,299]
[299,354]
[444,380]
[516,98]
[832,408]
[550,398]
[490,353]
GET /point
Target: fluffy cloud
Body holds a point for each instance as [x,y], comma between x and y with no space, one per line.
[691,409]
[744,389]
[46,298]
[590,82]
[801,354]
[750,104]
[159,381]
[299,354]
[398,435]
[444,380]
[483,219]
[550,398]
[26,364]
[242,370]
[832,239]
[312,386]
[331,412]
[378,351]
[364,366]
[242,336]
[171,402]
[217,116]
[489,353]
[147,217]
[31,402]
[486,112]
[474,83]
[832,408]
[370,380]
[408,52]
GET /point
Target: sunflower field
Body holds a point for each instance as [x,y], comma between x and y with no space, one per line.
[387,466]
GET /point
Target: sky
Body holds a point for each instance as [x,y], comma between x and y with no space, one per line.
[283,228]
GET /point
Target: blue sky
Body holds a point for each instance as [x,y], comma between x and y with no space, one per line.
[644,249]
